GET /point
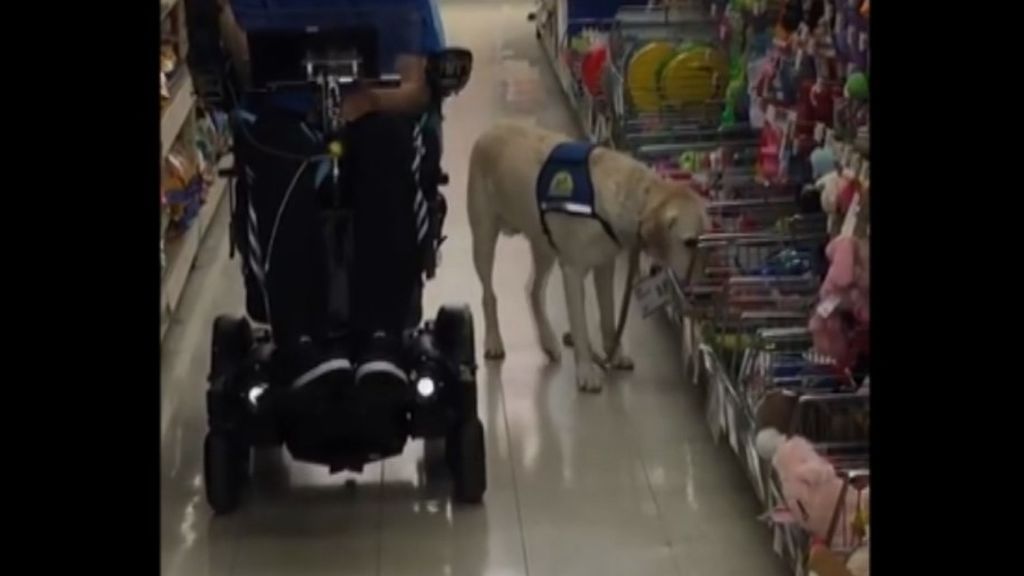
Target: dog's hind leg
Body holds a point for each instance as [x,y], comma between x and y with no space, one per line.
[604,286]
[485,240]
[543,261]
[589,377]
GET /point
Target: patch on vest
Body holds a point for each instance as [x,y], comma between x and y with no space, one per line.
[562,185]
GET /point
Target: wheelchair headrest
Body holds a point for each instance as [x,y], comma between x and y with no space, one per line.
[449,70]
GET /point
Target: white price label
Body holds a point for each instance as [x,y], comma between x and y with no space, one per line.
[828,306]
[730,416]
[723,418]
[791,119]
[819,133]
[654,292]
[855,163]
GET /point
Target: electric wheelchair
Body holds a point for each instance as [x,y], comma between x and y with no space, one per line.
[284,375]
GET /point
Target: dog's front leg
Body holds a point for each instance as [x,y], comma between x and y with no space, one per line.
[589,377]
[604,286]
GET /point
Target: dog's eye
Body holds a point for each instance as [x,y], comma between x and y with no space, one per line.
[690,243]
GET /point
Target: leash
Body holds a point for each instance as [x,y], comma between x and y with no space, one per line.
[634,265]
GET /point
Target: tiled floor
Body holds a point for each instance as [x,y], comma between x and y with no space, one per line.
[627,483]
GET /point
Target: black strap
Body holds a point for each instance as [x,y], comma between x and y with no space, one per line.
[595,216]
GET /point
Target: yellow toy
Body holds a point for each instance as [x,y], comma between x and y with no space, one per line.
[642,75]
[696,75]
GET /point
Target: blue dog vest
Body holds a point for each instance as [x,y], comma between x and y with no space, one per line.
[564,186]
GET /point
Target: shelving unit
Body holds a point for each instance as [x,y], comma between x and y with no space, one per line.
[181,254]
[166,6]
[178,125]
[177,118]
[729,410]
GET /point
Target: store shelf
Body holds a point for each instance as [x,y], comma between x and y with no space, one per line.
[166,6]
[181,254]
[179,109]
[550,50]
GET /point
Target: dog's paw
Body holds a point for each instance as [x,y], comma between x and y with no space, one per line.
[589,378]
[549,344]
[620,362]
[494,349]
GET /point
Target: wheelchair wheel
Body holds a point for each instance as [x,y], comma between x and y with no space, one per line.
[468,459]
[225,468]
[232,340]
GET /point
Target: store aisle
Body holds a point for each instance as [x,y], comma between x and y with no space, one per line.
[625,483]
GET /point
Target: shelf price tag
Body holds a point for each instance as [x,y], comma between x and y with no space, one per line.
[819,133]
[730,416]
[855,163]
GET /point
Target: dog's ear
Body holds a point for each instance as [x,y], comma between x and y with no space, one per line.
[657,220]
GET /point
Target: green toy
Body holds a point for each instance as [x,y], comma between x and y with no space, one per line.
[857,87]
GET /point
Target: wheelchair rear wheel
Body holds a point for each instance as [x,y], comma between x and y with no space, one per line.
[225,469]
[468,461]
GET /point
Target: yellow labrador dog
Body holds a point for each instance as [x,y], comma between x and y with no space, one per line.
[631,204]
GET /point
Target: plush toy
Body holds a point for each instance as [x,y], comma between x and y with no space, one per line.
[859,563]
[810,486]
[823,161]
[840,322]
[857,87]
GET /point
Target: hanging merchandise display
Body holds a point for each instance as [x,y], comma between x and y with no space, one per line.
[593,67]
[193,142]
[168,67]
[763,107]
[182,187]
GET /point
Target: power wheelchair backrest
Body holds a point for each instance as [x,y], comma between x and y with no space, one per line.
[280,248]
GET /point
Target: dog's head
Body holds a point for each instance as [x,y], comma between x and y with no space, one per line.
[674,217]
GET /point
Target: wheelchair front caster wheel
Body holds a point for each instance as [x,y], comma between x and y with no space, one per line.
[225,468]
[232,340]
[454,332]
[468,459]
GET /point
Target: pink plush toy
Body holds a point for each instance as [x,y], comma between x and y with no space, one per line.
[846,287]
[810,485]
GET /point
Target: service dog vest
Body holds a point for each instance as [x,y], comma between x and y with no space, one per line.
[564,186]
